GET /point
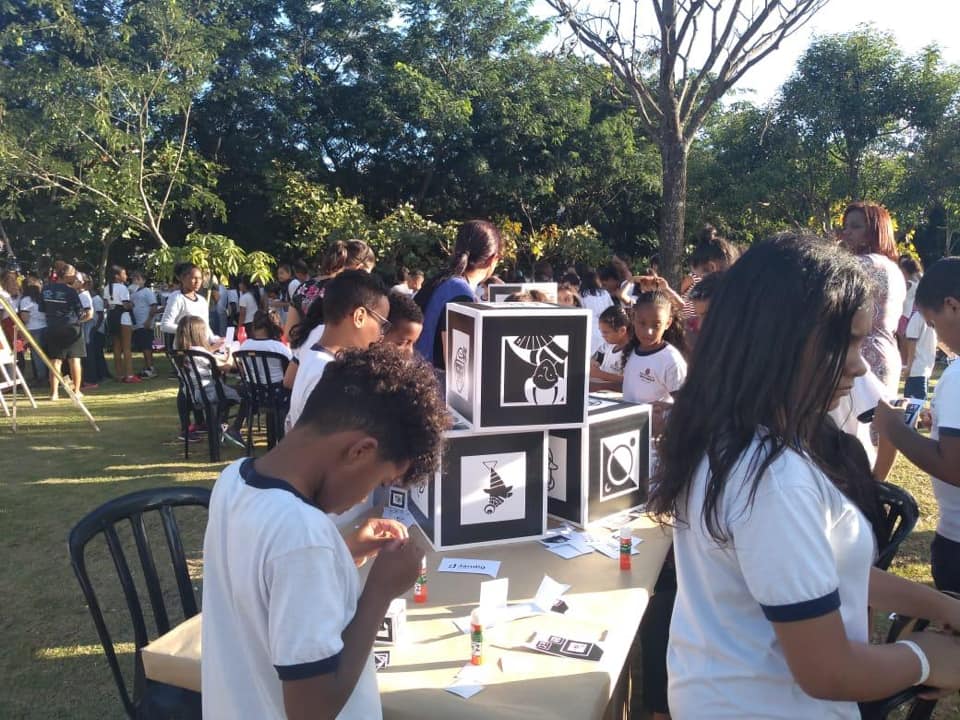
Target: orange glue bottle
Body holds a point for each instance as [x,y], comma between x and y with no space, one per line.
[420,586]
[626,546]
[476,638]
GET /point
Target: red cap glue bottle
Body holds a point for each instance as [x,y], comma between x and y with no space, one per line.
[626,546]
[476,638]
[420,586]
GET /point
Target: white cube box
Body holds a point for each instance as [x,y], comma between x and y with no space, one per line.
[391,629]
[501,291]
[518,365]
[491,488]
[601,468]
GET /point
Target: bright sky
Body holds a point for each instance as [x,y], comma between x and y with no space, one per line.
[915,24]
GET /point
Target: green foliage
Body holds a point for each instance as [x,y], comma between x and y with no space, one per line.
[213,253]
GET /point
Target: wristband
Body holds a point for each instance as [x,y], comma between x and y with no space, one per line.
[921,656]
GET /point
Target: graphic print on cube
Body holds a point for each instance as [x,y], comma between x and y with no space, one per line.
[557,468]
[620,464]
[398,498]
[459,372]
[493,488]
[534,370]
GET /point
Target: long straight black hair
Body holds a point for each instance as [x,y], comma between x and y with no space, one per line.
[768,360]
[477,242]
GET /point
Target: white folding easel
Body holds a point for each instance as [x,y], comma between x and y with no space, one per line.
[21,329]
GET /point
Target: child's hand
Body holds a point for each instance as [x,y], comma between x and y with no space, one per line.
[887,417]
[372,535]
[396,568]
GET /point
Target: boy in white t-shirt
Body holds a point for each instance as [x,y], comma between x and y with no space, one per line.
[355,307]
[920,345]
[938,301]
[288,627]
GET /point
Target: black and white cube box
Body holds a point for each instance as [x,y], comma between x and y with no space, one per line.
[391,629]
[501,291]
[491,488]
[601,468]
[518,365]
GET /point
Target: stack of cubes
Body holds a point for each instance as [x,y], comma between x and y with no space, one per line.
[528,440]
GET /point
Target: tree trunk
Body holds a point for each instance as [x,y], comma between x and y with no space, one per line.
[106,240]
[673,159]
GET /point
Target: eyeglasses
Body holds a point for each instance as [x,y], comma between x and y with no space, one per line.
[385,325]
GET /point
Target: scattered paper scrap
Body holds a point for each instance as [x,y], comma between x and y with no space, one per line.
[611,547]
[469,681]
[493,595]
[475,567]
[548,593]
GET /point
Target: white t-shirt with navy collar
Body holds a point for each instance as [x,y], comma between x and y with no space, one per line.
[801,551]
[611,358]
[312,361]
[945,411]
[279,588]
[652,376]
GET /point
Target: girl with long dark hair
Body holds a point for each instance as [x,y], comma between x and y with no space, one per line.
[772,538]
[474,258]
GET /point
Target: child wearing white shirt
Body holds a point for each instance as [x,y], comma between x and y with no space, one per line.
[606,369]
[655,368]
[921,355]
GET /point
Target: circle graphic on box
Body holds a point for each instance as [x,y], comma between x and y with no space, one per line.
[620,466]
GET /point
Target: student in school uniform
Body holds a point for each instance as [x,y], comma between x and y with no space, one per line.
[772,539]
[406,323]
[655,367]
[606,368]
[938,303]
[355,310]
[920,352]
[116,297]
[265,336]
[288,626]
[145,308]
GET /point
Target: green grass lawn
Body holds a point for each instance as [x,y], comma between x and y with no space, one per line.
[56,469]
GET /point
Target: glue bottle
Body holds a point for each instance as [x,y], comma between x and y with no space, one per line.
[626,546]
[476,638]
[420,586]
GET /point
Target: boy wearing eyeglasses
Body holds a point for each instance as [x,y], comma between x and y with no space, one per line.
[355,307]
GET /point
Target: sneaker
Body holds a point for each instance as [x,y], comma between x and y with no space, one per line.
[191,437]
[132,379]
[89,386]
[234,436]
[148,373]
[199,429]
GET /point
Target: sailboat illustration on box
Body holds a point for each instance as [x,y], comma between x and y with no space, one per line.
[497,492]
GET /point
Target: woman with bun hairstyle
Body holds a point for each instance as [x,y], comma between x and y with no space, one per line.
[341,255]
[475,255]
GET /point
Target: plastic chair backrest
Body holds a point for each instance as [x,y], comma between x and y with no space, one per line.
[900,516]
[200,372]
[254,367]
[104,520]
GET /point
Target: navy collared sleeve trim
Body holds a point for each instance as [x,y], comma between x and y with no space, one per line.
[806,610]
[308,670]
[949,432]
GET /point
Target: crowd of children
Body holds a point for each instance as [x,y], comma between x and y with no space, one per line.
[755,369]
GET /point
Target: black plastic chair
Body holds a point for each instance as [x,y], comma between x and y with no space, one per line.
[264,396]
[905,705]
[197,372]
[149,699]
[184,406]
[900,516]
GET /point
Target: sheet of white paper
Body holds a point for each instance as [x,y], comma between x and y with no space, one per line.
[611,548]
[568,551]
[229,335]
[503,615]
[469,681]
[548,593]
[475,567]
[493,595]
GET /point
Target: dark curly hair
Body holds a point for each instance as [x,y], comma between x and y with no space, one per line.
[382,393]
